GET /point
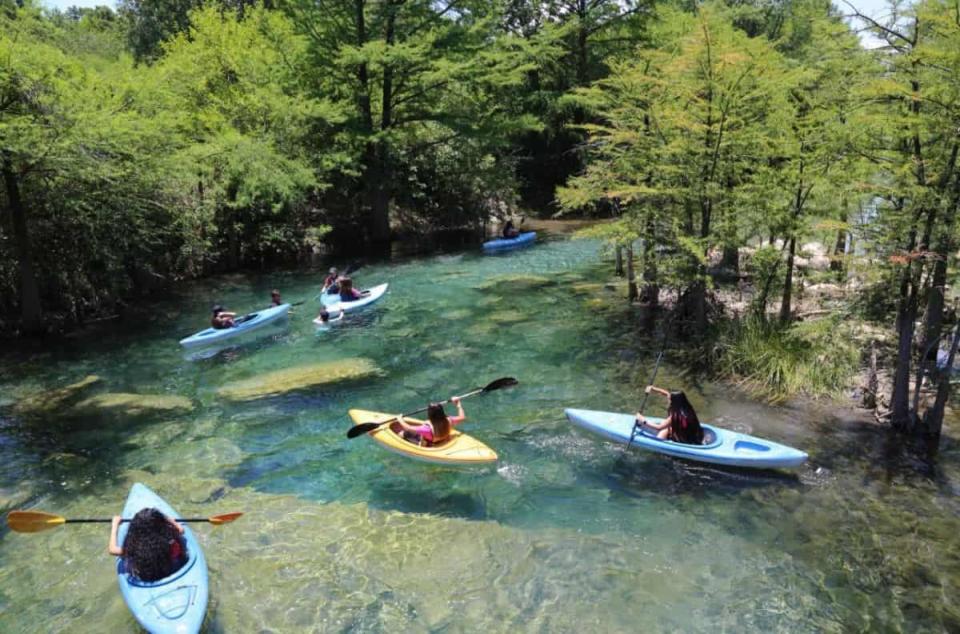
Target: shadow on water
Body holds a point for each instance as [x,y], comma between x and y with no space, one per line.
[887,457]
[79,454]
[638,477]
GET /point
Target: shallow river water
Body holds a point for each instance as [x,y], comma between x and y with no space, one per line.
[566,533]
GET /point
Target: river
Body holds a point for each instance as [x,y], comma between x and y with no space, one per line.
[567,533]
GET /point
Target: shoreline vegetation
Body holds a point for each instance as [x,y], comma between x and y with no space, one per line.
[788,196]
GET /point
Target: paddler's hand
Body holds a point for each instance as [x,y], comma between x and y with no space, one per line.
[455,400]
[640,419]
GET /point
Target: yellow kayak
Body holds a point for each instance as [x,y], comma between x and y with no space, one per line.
[459,449]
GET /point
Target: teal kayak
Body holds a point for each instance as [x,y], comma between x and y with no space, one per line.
[720,446]
[244,324]
[176,604]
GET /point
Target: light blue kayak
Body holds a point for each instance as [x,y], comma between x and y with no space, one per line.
[176,604]
[510,243]
[720,446]
[333,303]
[245,324]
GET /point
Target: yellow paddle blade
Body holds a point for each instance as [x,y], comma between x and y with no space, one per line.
[33,521]
[226,518]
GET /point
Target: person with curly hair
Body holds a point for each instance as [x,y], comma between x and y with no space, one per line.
[154,547]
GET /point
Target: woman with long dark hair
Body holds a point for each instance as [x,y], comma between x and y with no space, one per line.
[347,292]
[681,423]
[437,428]
[154,547]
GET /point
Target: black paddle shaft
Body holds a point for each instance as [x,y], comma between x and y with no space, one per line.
[127,519]
[646,395]
[363,428]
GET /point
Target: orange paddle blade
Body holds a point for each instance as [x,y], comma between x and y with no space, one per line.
[226,518]
[33,521]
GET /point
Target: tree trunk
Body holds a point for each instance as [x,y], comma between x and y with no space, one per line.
[839,248]
[582,35]
[381,187]
[651,290]
[933,418]
[31,312]
[873,384]
[376,169]
[730,258]
[632,293]
[933,316]
[785,305]
[379,196]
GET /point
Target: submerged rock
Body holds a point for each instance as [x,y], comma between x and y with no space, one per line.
[507,317]
[50,401]
[586,288]
[300,378]
[512,283]
[126,404]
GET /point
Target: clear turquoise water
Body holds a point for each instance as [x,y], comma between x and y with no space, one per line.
[566,533]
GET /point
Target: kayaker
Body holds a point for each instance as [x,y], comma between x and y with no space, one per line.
[324,317]
[509,231]
[347,292]
[330,282]
[154,547]
[222,319]
[437,428]
[275,298]
[681,423]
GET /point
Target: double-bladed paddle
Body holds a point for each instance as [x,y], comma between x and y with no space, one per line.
[653,379]
[38,521]
[363,428]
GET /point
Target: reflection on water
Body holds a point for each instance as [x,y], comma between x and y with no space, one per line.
[566,533]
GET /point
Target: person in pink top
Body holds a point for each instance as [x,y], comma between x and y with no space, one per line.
[438,426]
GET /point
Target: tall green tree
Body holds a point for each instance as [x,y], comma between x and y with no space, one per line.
[917,141]
[417,77]
[261,147]
[81,175]
[686,125]
[818,148]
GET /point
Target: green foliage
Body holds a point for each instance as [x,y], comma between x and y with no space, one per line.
[816,358]
[765,268]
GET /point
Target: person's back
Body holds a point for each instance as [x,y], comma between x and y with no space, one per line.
[681,423]
[347,292]
[438,430]
[684,424]
[153,548]
[509,231]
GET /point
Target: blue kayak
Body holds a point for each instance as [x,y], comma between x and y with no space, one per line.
[244,324]
[333,303]
[175,604]
[510,243]
[720,446]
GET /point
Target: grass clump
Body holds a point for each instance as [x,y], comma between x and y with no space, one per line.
[778,361]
